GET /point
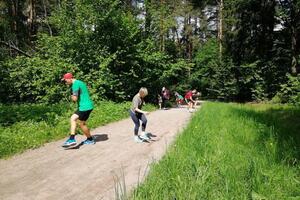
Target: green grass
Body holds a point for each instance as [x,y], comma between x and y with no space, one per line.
[29,126]
[231,151]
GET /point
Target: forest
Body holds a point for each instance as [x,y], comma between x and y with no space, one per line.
[230,50]
[241,142]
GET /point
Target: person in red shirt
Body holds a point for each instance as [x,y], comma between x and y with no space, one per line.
[189,99]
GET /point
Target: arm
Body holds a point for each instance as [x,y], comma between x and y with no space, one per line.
[191,98]
[75,92]
[74,98]
[137,101]
[141,111]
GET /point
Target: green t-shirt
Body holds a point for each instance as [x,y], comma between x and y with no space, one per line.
[80,90]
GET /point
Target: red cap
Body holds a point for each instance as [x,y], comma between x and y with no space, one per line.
[68,76]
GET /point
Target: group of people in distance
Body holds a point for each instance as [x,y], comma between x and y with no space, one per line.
[163,98]
[190,97]
[137,114]
[80,94]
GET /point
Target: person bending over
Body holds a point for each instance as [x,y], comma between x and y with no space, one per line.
[137,115]
[80,94]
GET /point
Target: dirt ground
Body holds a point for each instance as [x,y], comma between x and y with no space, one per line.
[90,171]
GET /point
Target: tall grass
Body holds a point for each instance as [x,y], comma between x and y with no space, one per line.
[29,126]
[231,151]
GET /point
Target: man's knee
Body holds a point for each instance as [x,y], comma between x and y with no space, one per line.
[74,117]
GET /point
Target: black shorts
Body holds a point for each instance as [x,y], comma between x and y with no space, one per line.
[83,115]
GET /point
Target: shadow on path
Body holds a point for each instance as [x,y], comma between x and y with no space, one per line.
[100,137]
[97,138]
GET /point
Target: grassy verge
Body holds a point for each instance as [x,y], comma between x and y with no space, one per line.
[29,126]
[231,151]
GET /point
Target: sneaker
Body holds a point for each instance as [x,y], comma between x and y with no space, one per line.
[145,136]
[69,143]
[137,139]
[89,141]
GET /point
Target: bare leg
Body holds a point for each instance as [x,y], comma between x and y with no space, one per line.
[85,129]
[73,120]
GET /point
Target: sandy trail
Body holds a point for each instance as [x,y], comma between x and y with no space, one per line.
[90,171]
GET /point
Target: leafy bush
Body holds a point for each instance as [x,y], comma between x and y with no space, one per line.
[223,79]
[35,79]
[105,43]
[289,92]
[216,79]
[250,82]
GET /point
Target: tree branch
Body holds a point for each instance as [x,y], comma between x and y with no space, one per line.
[15,48]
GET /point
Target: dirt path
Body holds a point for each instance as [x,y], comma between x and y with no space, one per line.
[90,171]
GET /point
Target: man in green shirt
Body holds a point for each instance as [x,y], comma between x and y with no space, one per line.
[80,94]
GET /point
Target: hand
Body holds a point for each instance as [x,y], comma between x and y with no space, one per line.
[146,113]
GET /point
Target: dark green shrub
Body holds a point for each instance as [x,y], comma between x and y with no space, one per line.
[289,92]
[35,80]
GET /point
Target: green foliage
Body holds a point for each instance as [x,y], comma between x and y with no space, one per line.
[175,72]
[207,53]
[105,43]
[35,80]
[230,151]
[223,79]
[251,84]
[110,43]
[31,112]
[31,125]
[257,41]
[289,92]
[215,78]
[98,41]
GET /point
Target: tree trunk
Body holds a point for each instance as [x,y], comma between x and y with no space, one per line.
[220,28]
[147,17]
[161,31]
[31,19]
[13,12]
[128,4]
[46,16]
[190,43]
[58,2]
[294,18]
[203,26]
[177,38]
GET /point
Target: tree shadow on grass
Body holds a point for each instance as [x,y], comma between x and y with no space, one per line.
[286,124]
